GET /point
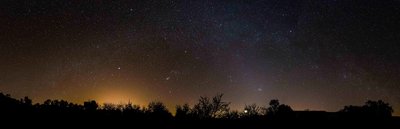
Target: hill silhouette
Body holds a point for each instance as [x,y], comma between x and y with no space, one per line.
[206,113]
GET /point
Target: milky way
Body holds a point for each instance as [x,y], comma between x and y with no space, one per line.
[318,55]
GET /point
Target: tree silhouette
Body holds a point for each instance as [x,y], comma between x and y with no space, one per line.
[90,105]
[378,108]
[370,108]
[112,110]
[277,109]
[158,110]
[8,105]
[273,106]
[183,112]
[284,109]
[26,101]
[132,110]
[207,112]
[207,108]
[251,111]
[353,110]
[109,107]
[232,115]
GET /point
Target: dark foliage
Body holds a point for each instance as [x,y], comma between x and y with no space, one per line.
[207,113]
[377,109]
[276,109]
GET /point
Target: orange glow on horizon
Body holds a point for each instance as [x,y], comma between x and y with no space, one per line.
[119,96]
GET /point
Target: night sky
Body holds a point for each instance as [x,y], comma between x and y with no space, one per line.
[309,54]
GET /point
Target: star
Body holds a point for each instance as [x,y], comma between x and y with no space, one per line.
[345,76]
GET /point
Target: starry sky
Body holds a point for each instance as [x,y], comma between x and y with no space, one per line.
[309,54]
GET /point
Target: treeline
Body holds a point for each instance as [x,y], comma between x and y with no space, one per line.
[208,111]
